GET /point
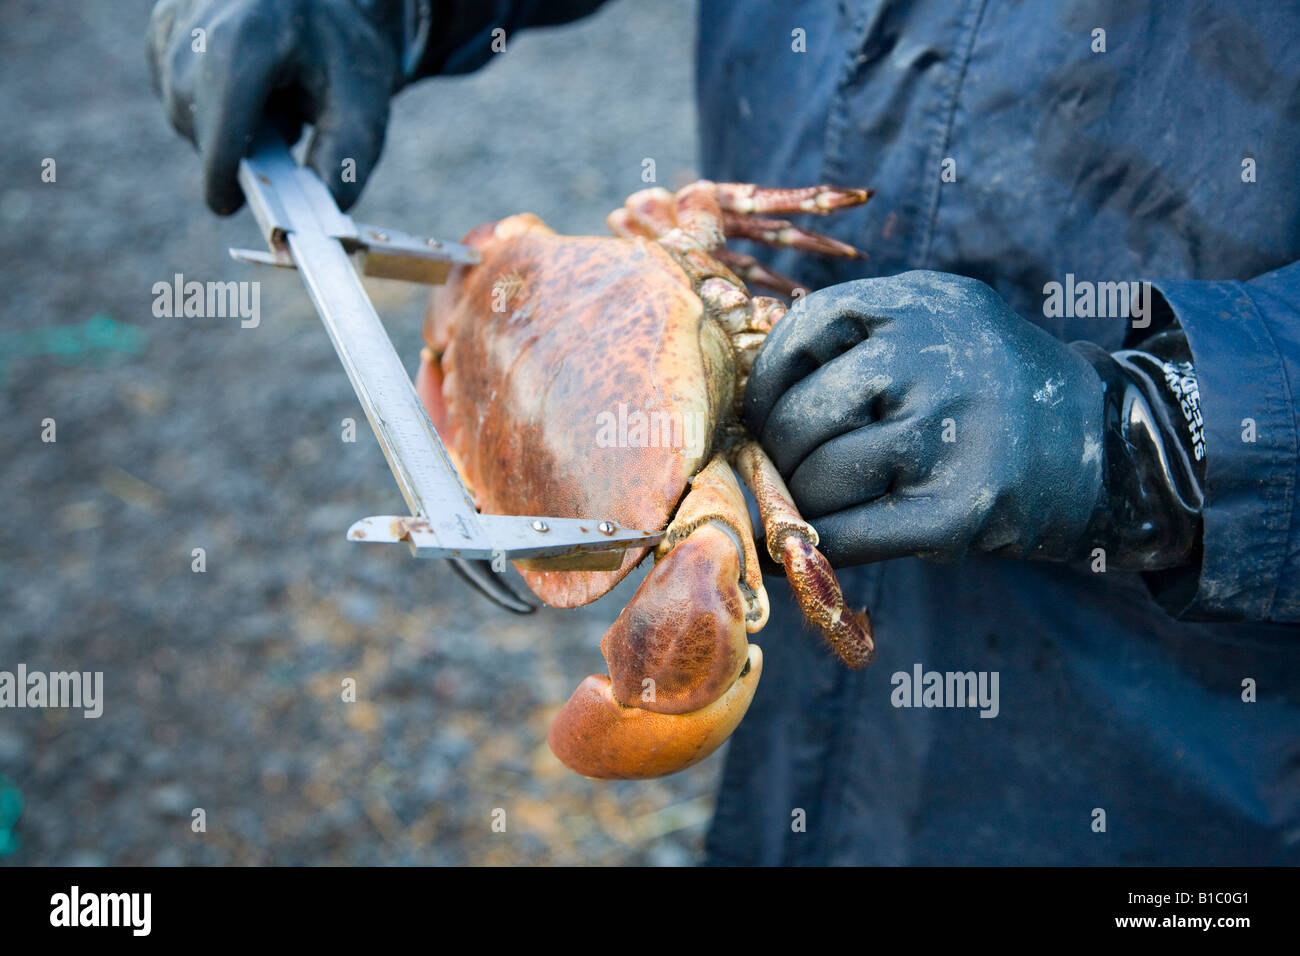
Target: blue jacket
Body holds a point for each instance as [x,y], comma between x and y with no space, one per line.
[1171,157]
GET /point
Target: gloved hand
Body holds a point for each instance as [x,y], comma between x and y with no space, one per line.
[334,63]
[919,415]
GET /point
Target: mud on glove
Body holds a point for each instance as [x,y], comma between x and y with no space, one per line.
[919,415]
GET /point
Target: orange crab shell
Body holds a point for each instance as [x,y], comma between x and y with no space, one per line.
[535,351]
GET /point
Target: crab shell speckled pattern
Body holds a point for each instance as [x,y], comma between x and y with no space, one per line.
[533,355]
[585,325]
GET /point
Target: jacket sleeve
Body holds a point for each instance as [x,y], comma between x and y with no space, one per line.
[1245,343]
[461,35]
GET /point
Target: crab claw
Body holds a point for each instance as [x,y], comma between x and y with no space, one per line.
[599,737]
[682,672]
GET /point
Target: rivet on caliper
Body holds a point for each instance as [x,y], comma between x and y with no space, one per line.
[540,525]
[605,527]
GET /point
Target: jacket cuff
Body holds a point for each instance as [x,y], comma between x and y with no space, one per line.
[1249,411]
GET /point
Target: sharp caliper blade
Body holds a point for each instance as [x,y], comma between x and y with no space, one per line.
[305,229]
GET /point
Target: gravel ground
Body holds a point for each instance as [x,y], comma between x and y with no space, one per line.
[222,688]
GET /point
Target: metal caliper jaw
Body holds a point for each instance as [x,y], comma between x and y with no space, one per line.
[305,230]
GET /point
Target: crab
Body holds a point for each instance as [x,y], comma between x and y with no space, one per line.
[534,362]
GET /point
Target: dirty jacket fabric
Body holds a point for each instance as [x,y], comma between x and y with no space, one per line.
[1136,721]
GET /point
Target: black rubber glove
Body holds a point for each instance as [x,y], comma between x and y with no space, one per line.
[919,415]
[333,63]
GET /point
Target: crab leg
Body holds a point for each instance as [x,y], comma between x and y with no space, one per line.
[792,542]
[699,220]
[622,223]
[748,198]
[682,672]
[647,212]
[779,233]
[703,215]
[752,272]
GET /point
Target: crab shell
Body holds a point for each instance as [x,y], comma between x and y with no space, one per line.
[538,353]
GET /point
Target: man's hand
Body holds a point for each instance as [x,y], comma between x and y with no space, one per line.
[919,415]
[283,61]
